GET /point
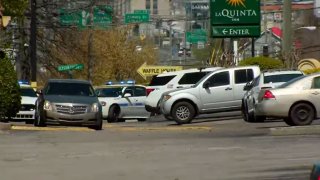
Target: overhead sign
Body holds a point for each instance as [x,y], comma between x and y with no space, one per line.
[198,35]
[236,31]
[70,67]
[136,18]
[144,70]
[235,12]
[102,16]
[141,11]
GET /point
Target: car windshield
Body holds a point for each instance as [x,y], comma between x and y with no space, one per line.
[280,78]
[291,82]
[69,89]
[109,92]
[28,92]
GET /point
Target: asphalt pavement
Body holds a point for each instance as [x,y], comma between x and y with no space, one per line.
[213,147]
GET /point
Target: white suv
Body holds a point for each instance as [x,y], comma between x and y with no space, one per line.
[266,80]
[172,80]
[219,91]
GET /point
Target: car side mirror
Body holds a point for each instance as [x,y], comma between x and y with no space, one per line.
[127,95]
[206,84]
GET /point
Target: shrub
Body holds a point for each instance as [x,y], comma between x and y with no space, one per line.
[263,62]
[311,71]
[10,98]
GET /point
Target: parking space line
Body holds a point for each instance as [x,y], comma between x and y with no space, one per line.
[32,128]
[165,128]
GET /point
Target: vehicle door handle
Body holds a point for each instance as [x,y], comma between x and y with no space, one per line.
[228,88]
[179,86]
[315,93]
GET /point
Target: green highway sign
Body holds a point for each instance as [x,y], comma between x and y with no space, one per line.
[69,18]
[137,18]
[235,31]
[70,67]
[141,11]
[234,12]
[102,16]
[196,36]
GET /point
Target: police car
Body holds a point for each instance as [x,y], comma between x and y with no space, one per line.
[122,100]
[28,100]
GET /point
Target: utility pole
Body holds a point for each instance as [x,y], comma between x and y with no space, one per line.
[90,43]
[287,30]
[33,43]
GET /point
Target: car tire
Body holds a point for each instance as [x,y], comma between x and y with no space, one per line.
[168,117]
[114,112]
[99,126]
[142,119]
[39,120]
[29,121]
[183,112]
[288,121]
[302,114]
[259,118]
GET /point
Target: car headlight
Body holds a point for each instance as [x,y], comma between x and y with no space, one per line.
[95,107]
[166,97]
[47,106]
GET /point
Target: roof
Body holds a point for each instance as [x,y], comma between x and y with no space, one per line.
[282,72]
[69,81]
[117,85]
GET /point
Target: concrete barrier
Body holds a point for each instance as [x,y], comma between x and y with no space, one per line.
[295,130]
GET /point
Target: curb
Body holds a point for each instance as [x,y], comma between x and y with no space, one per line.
[296,130]
[5,126]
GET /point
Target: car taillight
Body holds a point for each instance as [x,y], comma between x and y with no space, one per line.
[268,95]
[149,90]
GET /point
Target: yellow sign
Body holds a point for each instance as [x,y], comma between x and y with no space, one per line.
[144,70]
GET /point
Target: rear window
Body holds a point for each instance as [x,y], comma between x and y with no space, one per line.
[280,78]
[192,78]
[109,92]
[28,92]
[160,81]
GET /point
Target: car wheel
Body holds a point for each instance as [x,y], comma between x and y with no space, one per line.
[142,119]
[302,114]
[259,118]
[39,120]
[288,121]
[29,121]
[98,127]
[168,117]
[114,112]
[183,112]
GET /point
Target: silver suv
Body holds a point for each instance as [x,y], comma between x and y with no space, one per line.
[267,79]
[68,101]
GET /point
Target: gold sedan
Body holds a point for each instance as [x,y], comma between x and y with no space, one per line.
[297,101]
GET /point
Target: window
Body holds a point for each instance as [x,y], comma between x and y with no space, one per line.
[192,78]
[140,91]
[243,76]
[316,83]
[280,78]
[160,81]
[256,81]
[28,92]
[148,4]
[155,6]
[220,79]
[69,89]
[109,92]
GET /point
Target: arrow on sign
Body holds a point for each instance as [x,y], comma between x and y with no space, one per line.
[144,70]
[224,31]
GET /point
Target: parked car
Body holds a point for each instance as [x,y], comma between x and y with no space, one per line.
[297,101]
[28,101]
[123,101]
[315,172]
[266,80]
[172,80]
[68,101]
[219,91]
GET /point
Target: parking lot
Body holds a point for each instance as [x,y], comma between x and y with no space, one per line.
[219,146]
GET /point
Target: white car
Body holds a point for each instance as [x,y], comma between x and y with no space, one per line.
[172,80]
[121,102]
[28,100]
[219,91]
[266,80]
